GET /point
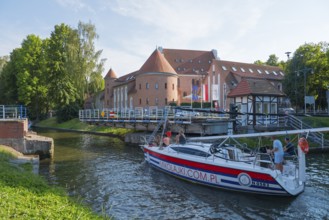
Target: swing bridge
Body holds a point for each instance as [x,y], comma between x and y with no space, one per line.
[201,122]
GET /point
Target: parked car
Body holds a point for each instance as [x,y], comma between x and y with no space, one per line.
[286,110]
[187,114]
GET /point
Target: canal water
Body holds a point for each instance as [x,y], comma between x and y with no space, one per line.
[113,179]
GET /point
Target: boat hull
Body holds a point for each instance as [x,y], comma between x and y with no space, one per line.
[222,176]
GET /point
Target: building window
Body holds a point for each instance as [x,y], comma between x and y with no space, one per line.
[273,108]
[258,107]
[156,101]
[156,86]
[140,86]
[147,101]
[165,85]
[166,101]
[147,86]
[140,101]
[184,94]
[173,86]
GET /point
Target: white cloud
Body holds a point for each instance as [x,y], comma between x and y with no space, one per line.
[121,62]
[75,5]
[130,30]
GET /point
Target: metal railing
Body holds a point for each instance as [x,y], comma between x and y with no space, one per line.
[152,113]
[12,112]
[297,124]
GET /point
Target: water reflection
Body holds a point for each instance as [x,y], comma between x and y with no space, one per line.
[112,177]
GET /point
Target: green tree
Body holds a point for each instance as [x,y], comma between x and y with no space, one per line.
[272,60]
[3,61]
[89,78]
[259,62]
[309,63]
[61,83]
[31,79]
[8,78]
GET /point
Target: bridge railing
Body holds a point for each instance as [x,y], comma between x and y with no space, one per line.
[153,113]
[140,113]
[12,112]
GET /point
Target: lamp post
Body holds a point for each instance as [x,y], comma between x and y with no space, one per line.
[304,71]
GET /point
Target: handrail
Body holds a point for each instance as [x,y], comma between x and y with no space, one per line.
[12,112]
[297,124]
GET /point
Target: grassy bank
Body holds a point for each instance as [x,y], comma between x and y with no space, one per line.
[76,124]
[24,195]
[316,122]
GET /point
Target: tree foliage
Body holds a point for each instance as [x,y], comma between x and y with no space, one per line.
[88,76]
[310,66]
[8,78]
[31,81]
[273,60]
[53,73]
[61,87]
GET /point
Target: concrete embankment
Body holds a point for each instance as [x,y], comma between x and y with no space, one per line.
[14,133]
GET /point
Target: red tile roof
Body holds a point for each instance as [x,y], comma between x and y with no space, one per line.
[189,61]
[255,87]
[248,70]
[157,63]
[111,74]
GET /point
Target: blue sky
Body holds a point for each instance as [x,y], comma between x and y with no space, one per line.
[130,30]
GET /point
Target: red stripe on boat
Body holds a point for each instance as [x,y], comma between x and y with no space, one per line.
[209,167]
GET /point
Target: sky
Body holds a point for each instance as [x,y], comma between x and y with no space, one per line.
[130,30]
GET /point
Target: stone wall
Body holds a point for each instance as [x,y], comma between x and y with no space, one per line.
[14,133]
[13,128]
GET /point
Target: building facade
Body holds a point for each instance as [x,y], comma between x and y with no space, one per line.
[186,76]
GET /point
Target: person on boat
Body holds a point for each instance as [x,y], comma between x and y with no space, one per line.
[289,149]
[181,138]
[166,140]
[278,153]
[168,133]
[157,140]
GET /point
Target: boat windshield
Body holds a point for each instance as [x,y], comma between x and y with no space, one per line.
[191,151]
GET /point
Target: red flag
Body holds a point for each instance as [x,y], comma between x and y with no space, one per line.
[205,93]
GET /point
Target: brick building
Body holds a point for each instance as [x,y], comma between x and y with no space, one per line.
[172,75]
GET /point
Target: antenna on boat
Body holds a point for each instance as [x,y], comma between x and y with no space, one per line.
[165,121]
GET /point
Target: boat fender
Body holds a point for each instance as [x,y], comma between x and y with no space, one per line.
[303,144]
